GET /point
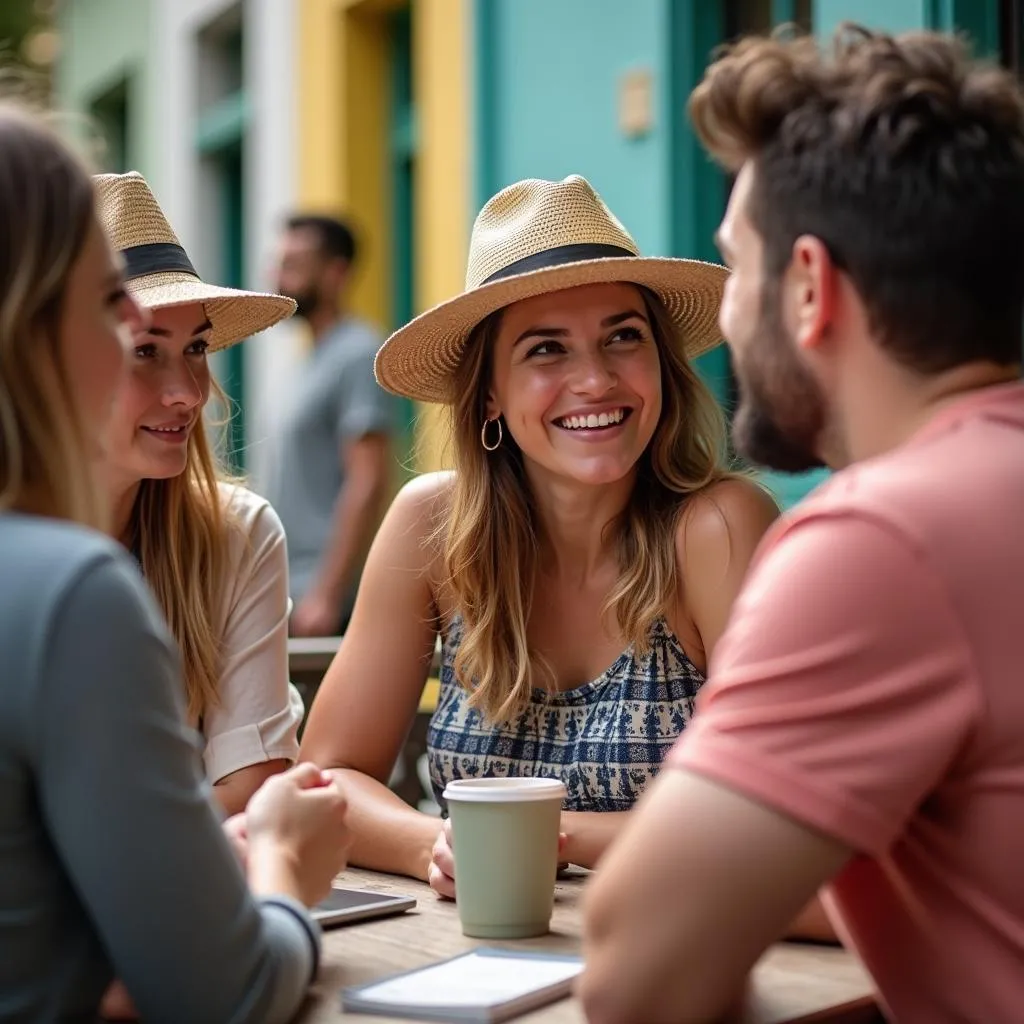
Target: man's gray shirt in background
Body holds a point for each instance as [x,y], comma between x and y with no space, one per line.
[336,400]
[112,858]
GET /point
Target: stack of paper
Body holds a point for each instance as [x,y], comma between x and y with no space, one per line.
[484,985]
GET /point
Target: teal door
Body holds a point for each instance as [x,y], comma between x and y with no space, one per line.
[402,145]
[700,189]
[233,248]
[219,138]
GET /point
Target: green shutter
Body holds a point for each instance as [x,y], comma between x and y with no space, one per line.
[402,144]
[978,19]
[220,130]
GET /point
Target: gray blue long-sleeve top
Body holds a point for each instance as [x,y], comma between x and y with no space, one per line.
[112,859]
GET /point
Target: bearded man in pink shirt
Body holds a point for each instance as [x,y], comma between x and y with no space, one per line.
[862,730]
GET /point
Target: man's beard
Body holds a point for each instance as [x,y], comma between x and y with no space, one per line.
[781,413]
[306,302]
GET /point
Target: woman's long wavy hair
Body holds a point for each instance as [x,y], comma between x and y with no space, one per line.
[46,210]
[177,529]
[490,532]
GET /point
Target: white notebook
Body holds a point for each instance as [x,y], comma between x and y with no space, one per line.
[484,985]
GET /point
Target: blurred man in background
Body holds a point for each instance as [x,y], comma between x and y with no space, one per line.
[334,457]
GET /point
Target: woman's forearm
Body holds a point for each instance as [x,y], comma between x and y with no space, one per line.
[234,791]
[589,834]
[389,835]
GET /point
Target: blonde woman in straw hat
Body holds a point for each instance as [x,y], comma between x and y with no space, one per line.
[213,553]
[112,857]
[580,562]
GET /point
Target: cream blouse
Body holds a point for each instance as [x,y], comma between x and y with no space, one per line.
[259,713]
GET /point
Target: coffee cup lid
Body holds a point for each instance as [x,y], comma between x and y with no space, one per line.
[505,790]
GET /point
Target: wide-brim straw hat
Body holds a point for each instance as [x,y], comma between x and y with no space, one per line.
[532,238]
[158,272]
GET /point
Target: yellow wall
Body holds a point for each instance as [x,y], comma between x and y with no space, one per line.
[343,92]
[344,89]
[442,84]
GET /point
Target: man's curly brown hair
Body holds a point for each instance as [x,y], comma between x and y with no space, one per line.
[906,158]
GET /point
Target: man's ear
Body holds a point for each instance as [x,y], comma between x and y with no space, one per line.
[809,291]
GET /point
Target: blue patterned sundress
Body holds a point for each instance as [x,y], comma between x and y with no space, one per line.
[605,740]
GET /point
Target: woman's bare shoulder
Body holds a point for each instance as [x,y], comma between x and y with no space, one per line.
[410,535]
[428,491]
[729,515]
[422,504]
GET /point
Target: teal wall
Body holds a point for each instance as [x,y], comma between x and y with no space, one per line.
[549,73]
[105,42]
[891,15]
[979,19]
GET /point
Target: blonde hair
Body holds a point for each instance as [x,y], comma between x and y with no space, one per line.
[488,533]
[46,212]
[177,530]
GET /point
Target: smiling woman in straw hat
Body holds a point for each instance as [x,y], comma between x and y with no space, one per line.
[214,554]
[580,562]
[111,854]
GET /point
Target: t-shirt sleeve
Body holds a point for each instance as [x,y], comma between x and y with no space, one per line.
[364,407]
[843,686]
[122,793]
[258,714]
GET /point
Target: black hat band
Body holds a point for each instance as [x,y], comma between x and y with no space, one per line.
[155,258]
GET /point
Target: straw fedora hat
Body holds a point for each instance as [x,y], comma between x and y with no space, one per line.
[159,273]
[532,238]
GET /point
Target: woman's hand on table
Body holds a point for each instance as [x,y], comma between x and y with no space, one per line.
[235,829]
[296,834]
[441,874]
[590,833]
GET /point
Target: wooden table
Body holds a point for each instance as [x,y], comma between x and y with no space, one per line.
[793,982]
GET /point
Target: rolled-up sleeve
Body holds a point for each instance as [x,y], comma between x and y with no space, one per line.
[258,712]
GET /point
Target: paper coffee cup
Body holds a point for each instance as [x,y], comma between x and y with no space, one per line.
[505,840]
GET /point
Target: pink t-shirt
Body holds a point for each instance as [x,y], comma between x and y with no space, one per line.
[871,685]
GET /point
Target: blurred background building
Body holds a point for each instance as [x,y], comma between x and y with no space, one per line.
[405,116]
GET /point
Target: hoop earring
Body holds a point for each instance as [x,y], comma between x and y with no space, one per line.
[483,435]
